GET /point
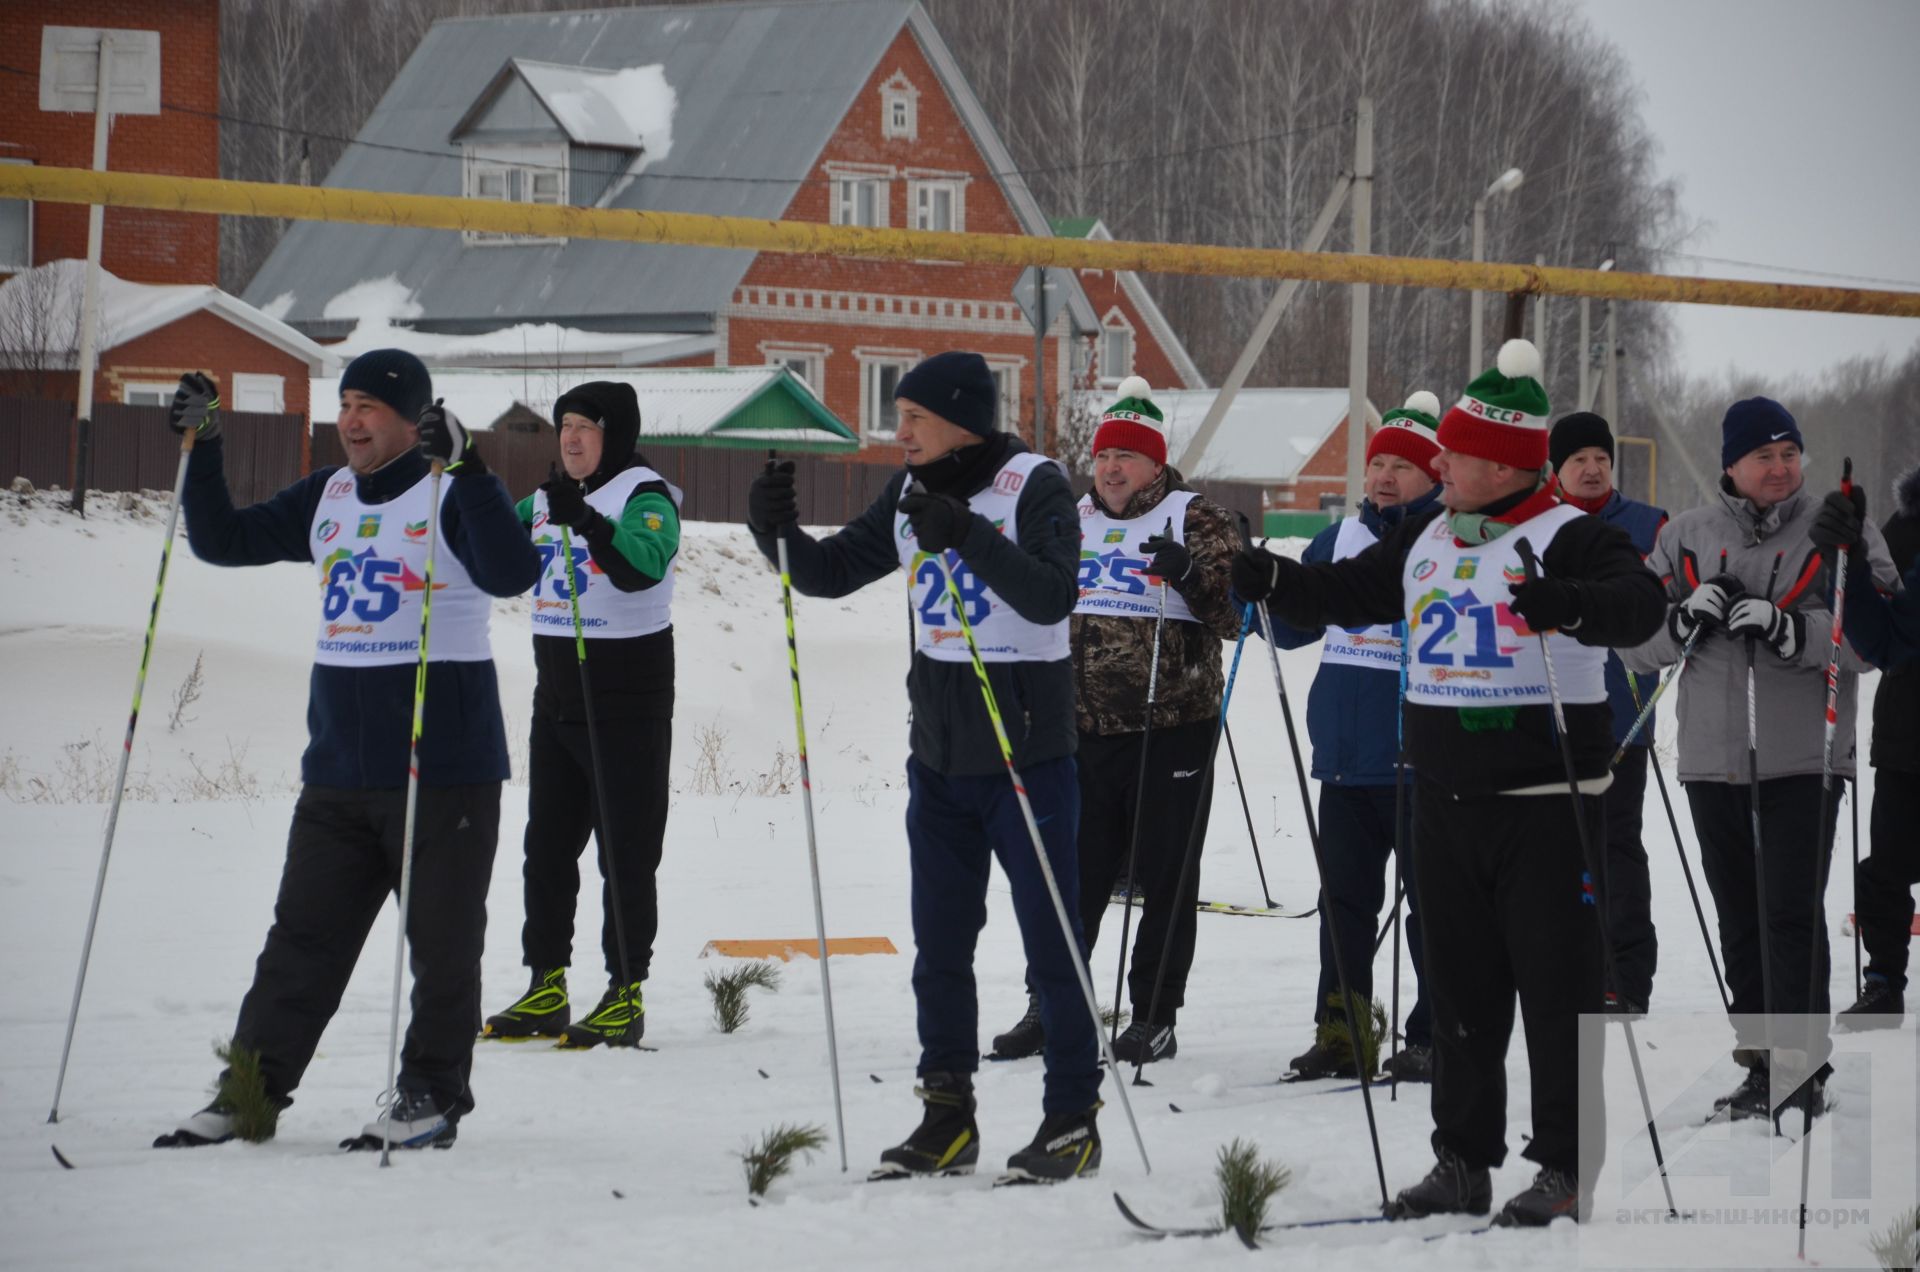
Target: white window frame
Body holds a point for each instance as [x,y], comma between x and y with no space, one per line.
[899,99]
[161,394]
[922,194]
[874,400]
[522,170]
[26,208]
[1006,378]
[846,178]
[1116,324]
[246,383]
[812,356]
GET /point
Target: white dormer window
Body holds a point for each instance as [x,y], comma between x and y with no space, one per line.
[899,109]
[515,174]
[1115,356]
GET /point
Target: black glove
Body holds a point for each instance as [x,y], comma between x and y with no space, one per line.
[446,439]
[1546,605]
[196,406]
[566,502]
[1168,560]
[771,503]
[940,522]
[1784,630]
[1706,606]
[1842,516]
[1255,573]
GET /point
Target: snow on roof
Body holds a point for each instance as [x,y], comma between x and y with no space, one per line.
[36,304]
[1266,437]
[746,406]
[627,109]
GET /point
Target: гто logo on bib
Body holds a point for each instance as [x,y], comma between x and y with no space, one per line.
[1425,569]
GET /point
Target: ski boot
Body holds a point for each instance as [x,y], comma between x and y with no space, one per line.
[619,1020]
[1142,1043]
[1554,1194]
[413,1120]
[1412,1063]
[1027,1038]
[1880,1006]
[1067,1146]
[1321,1060]
[1451,1187]
[542,1011]
[947,1141]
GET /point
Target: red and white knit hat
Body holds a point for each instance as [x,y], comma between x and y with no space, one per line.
[1502,416]
[1412,432]
[1133,423]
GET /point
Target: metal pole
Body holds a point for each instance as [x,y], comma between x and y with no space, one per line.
[1362,209]
[1039,359]
[1540,320]
[1476,312]
[1139,805]
[1586,354]
[90,290]
[1610,374]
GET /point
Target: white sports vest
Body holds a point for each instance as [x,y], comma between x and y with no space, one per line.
[1376,647]
[1112,571]
[373,562]
[1002,635]
[1468,647]
[606,613]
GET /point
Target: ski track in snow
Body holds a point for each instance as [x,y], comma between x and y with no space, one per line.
[586,1156]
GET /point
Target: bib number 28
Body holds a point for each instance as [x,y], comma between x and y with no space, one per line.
[931,575]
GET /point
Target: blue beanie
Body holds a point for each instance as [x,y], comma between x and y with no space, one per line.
[958,388]
[394,376]
[1753,423]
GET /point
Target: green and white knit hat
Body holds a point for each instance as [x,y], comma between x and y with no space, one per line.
[1502,416]
[1133,423]
[1412,432]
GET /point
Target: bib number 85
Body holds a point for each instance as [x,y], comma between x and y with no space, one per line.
[931,574]
[1125,573]
[378,578]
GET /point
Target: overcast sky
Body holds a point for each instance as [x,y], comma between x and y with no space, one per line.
[1793,129]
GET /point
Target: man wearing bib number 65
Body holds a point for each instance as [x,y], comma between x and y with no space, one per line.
[367,527]
[1506,900]
[1002,519]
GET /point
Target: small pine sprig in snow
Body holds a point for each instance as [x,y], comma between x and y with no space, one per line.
[1334,1032]
[1899,1246]
[1247,1184]
[243,1088]
[729,990]
[772,1158]
[1114,1017]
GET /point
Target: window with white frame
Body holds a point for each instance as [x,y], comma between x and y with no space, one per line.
[515,174]
[253,391]
[899,109]
[147,393]
[1116,349]
[16,231]
[806,362]
[860,198]
[1006,384]
[879,378]
[938,203]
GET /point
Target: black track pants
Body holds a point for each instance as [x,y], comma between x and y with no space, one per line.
[1625,882]
[1883,897]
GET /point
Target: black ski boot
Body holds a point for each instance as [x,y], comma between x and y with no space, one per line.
[1142,1043]
[1412,1063]
[1027,1038]
[1321,1061]
[1880,1006]
[541,1012]
[215,1124]
[947,1141]
[1749,1099]
[1451,1188]
[1617,1007]
[1554,1194]
[620,1020]
[1067,1146]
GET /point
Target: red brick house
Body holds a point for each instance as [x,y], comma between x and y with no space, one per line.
[847,113]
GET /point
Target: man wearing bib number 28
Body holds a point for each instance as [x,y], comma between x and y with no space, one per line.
[1002,519]
[1507,903]
[367,527]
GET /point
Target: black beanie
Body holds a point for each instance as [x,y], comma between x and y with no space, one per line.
[612,405]
[394,376]
[1577,432]
[1752,423]
[958,387]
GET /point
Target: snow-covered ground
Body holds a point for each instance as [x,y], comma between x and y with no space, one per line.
[583,1158]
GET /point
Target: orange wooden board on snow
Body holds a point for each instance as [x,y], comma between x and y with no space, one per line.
[808,947]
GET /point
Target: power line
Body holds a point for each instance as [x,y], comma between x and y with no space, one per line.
[1778,269]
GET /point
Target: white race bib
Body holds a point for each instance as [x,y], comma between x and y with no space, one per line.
[1112,570]
[1376,646]
[606,613]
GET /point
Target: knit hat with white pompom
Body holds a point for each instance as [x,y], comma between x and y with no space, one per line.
[1133,423]
[1502,416]
[1410,432]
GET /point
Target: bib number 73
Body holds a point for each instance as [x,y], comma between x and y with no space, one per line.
[930,578]
[561,588]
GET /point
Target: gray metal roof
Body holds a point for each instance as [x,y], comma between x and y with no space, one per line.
[760,89]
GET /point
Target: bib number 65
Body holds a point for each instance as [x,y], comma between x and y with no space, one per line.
[377,578]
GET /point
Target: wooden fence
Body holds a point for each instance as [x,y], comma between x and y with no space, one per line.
[133,449]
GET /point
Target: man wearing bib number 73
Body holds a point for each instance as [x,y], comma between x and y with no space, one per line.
[1002,519]
[1507,903]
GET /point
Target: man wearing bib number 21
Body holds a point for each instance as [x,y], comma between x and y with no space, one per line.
[367,526]
[1507,903]
[1002,519]
[624,522]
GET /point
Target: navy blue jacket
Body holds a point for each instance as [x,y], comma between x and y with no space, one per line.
[1642,523]
[1885,630]
[1351,710]
[360,719]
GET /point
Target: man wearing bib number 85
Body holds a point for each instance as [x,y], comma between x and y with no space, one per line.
[1506,902]
[1002,519]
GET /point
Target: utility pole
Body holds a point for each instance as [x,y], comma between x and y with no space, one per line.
[90,290]
[1362,209]
[1540,322]
[1506,183]
[1610,391]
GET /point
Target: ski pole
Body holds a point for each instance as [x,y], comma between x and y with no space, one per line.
[1252,837]
[126,754]
[1753,818]
[1399,859]
[1659,690]
[1354,1006]
[813,845]
[1853,814]
[1192,851]
[413,808]
[1139,803]
[604,832]
[1822,850]
[948,567]
[1531,565]
[1673,823]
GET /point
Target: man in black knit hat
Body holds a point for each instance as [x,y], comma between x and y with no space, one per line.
[624,522]
[1001,520]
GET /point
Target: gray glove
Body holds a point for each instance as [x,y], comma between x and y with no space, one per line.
[196,406]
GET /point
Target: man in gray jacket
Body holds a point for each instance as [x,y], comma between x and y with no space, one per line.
[1747,579]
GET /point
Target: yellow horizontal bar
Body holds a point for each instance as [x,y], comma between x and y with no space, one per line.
[370,207]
